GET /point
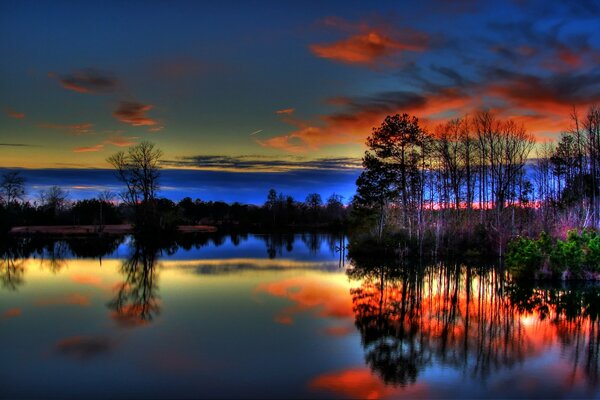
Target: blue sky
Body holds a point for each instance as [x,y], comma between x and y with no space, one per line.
[278,81]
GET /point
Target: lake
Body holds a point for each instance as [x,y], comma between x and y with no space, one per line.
[281,316]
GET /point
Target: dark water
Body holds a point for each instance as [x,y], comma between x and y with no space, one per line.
[278,316]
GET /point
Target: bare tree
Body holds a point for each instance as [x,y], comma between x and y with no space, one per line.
[12,187]
[139,170]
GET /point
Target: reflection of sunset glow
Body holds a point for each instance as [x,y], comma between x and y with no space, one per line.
[453,315]
[359,383]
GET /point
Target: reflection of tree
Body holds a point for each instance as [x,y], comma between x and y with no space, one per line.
[54,256]
[136,301]
[466,318]
[574,311]
[96,247]
[312,241]
[276,242]
[12,267]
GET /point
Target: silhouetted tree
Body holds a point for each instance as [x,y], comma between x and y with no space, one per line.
[139,170]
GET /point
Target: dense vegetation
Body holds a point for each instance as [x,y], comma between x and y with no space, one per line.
[578,256]
[473,180]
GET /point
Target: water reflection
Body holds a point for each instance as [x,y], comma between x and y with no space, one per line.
[473,320]
[136,301]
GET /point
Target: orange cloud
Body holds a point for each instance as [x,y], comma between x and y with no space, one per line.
[134,114]
[84,128]
[285,111]
[11,313]
[14,114]
[361,115]
[89,149]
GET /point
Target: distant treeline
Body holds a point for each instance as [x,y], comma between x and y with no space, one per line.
[278,212]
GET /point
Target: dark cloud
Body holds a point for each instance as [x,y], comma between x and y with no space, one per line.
[89,81]
[258,163]
[567,88]
[16,145]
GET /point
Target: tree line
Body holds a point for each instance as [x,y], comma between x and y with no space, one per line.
[138,169]
[474,174]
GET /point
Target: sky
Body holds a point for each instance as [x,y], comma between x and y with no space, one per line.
[263,87]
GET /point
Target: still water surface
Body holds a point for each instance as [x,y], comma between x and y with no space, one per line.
[279,316]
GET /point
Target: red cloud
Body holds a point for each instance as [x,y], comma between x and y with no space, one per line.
[84,128]
[14,114]
[371,46]
[134,114]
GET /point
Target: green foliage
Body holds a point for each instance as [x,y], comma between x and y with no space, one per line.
[578,254]
[524,257]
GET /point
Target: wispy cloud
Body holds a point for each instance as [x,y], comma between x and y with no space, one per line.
[134,114]
[15,114]
[121,141]
[88,80]
[84,128]
[17,145]
[89,149]
[262,163]
[285,111]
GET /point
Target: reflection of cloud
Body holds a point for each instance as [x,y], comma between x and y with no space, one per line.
[11,313]
[261,163]
[88,81]
[74,299]
[132,315]
[84,347]
[326,298]
[225,266]
[134,114]
[87,279]
[15,114]
[360,383]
